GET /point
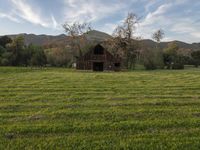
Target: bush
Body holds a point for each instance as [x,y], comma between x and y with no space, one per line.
[58,57]
[2,50]
[153,59]
[179,62]
[4,62]
[178,66]
[150,65]
[4,41]
[38,58]
[196,58]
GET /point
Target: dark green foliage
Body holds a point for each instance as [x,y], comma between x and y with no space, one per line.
[196,58]
[178,63]
[4,41]
[5,58]
[17,54]
[153,59]
[15,48]
[149,60]
[4,61]
[2,50]
[38,58]
[172,59]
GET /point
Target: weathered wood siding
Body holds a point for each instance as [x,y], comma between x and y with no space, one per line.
[86,62]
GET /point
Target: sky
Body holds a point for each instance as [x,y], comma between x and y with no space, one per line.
[180,19]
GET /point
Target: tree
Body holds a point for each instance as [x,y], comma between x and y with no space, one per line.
[172,59]
[58,57]
[196,58]
[77,31]
[15,48]
[38,58]
[5,59]
[2,50]
[150,59]
[124,39]
[158,35]
[4,41]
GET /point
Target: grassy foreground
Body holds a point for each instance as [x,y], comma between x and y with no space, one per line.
[66,109]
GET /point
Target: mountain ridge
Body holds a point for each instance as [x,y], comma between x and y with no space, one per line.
[92,36]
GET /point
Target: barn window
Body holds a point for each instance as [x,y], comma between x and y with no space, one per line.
[98,50]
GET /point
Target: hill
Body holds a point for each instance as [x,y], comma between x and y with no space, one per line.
[92,36]
[151,44]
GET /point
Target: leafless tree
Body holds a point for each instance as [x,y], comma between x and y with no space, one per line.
[158,35]
[77,31]
[124,39]
[157,53]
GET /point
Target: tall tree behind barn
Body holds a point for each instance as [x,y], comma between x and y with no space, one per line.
[98,59]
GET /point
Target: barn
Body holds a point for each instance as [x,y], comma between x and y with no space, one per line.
[98,59]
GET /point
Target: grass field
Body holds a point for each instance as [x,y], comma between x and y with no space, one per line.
[65,109]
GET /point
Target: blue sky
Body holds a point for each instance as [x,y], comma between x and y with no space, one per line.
[180,19]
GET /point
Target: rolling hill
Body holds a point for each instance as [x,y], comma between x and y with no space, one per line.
[92,36]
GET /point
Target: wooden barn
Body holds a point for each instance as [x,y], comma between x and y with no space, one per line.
[98,59]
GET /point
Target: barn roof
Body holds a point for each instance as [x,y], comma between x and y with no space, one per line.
[104,44]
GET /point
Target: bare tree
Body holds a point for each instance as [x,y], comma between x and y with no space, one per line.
[157,52]
[158,35]
[125,40]
[77,31]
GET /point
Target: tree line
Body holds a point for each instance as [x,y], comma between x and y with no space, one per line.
[124,44]
[16,53]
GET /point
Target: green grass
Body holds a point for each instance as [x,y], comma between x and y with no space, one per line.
[68,109]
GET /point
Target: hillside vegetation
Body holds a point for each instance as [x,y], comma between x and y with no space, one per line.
[92,36]
[67,109]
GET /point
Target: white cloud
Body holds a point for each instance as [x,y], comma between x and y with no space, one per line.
[108,28]
[153,21]
[155,16]
[149,4]
[188,27]
[24,10]
[55,23]
[9,16]
[90,10]
[172,22]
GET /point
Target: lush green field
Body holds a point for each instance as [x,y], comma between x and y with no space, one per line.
[66,109]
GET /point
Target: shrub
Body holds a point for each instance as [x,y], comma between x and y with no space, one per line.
[153,59]
[4,61]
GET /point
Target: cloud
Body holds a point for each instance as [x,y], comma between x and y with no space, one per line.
[9,16]
[90,10]
[169,17]
[149,4]
[24,10]
[188,27]
[156,16]
[178,18]
[108,28]
[55,23]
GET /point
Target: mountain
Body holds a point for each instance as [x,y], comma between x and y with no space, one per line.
[41,39]
[97,36]
[152,44]
[92,36]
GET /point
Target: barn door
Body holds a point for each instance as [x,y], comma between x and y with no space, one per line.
[98,66]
